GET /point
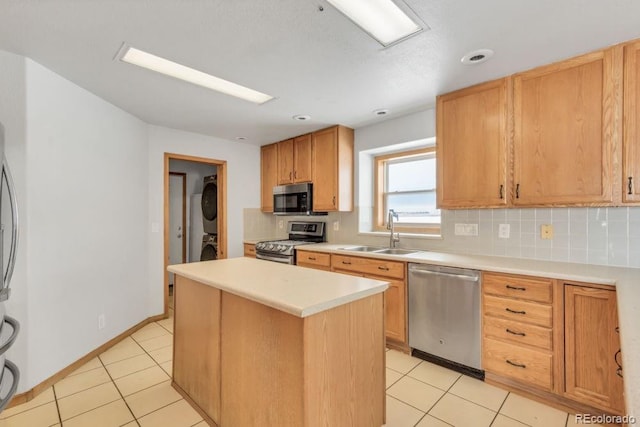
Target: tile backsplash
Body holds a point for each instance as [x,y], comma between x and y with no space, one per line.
[604,236]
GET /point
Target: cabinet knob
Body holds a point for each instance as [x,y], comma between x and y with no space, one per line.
[312,258]
[515,288]
[501,191]
[520,334]
[289,175]
[630,185]
[383,268]
[517,191]
[515,311]
[334,201]
[295,174]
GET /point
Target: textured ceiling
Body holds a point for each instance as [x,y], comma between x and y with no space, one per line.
[314,62]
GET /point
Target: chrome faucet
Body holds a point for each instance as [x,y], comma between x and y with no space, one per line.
[393,239]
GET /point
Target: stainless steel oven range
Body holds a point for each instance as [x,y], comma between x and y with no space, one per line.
[300,233]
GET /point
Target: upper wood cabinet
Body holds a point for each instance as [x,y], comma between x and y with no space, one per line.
[592,348]
[294,160]
[631,142]
[268,175]
[332,169]
[471,146]
[564,130]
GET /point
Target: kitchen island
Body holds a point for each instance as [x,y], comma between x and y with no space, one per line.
[257,343]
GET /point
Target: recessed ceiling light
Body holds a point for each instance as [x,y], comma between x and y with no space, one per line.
[381,112]
[381,19]
[477,57]
[301,117]
[173,69]
[241,138]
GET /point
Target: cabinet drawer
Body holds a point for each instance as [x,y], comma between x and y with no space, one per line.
[378,267]
[529,288]
[517,332]
[313,258]
[249,250]
[531,366]
[520,311]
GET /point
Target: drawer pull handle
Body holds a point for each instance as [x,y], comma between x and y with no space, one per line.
[383,268]
[521,334]
[346,262]
[312,258]
[516,288]
[515,311]
[517,365]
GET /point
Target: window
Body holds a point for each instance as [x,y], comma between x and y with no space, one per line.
[406,183]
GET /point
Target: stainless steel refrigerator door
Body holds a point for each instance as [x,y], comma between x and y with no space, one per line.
[7,203]
[444,313]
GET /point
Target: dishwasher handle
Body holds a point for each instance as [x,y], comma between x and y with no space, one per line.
[442,273]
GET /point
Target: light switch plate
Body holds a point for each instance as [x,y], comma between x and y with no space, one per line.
[336,225]
[466,230]
[504,230]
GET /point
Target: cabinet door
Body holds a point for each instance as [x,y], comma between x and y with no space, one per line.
[268,175]
[591,343]
[302,158]
[395,310]
[285,162]
[563,131]
[324,156]
[631,130]
[471,144]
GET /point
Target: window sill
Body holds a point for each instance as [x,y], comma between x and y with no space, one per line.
[405,235]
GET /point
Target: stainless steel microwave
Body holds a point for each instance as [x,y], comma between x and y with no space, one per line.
[295,199]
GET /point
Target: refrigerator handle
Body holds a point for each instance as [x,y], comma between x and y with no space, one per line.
[6,175]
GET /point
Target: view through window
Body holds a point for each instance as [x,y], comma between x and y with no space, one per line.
[406,183]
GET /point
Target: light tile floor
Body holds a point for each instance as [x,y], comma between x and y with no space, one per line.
[129,385]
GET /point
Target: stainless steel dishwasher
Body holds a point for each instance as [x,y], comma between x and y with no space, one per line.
[444,316]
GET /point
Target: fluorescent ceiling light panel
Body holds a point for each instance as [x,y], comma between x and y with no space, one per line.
[173,69]
[382,19]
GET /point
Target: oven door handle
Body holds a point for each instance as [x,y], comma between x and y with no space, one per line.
[281,260]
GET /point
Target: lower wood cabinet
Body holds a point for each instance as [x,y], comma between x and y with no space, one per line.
[591,347]
[395,298]
[250,250]
[317,260]
[554,340]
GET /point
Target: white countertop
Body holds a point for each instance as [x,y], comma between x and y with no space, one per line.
[626,281]
[295,290]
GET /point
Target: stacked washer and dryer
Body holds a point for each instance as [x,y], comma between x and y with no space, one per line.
[209,209]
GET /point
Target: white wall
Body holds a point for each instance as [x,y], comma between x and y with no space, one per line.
[87,222]
[13,118]
[243,191]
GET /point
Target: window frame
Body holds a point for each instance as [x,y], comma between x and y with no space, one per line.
[379,214]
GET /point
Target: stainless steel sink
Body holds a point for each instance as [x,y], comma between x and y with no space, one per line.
[396,251]
[362,248]
[379,250]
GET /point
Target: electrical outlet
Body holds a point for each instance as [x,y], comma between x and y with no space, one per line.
[281,224]
[336,225]
[101,321]
[546,231]
[504,230]
[466,230]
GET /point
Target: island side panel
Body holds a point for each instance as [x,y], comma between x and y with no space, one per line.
[344,357]
[262,378]
[196,345]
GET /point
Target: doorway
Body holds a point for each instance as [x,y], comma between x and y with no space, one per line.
[171,230]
